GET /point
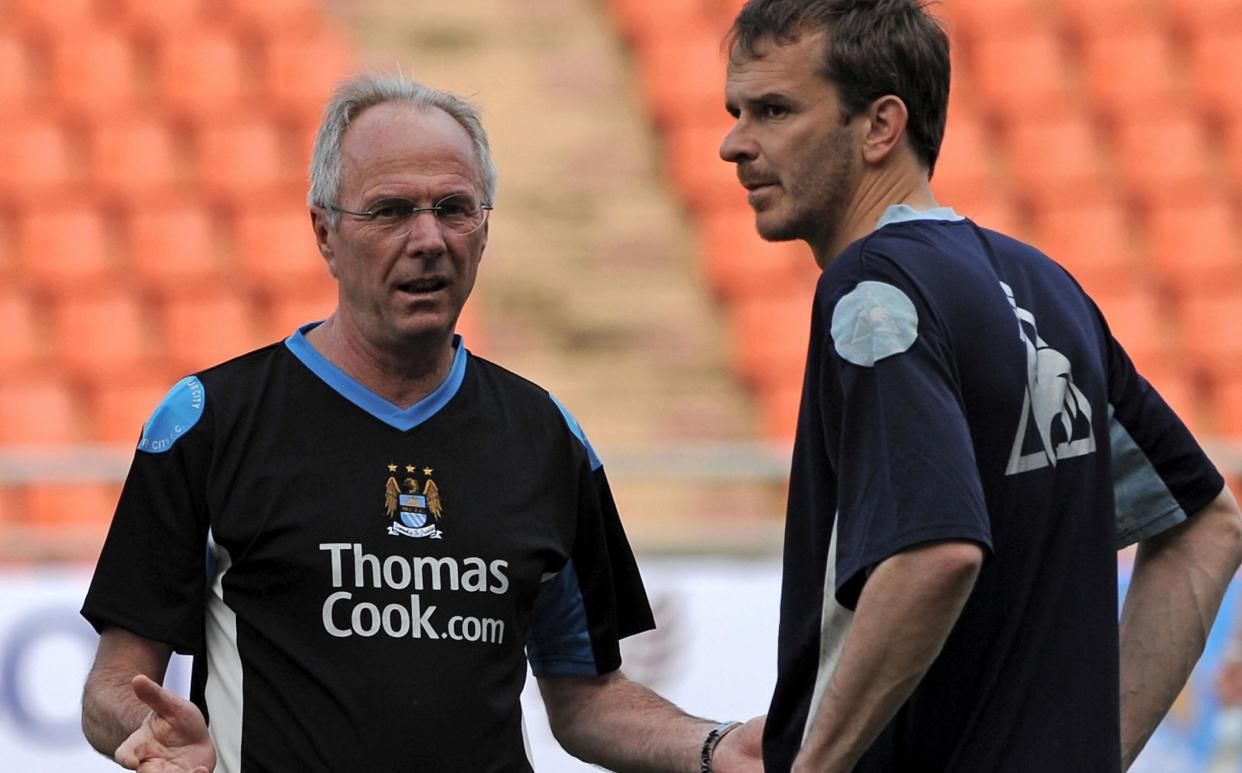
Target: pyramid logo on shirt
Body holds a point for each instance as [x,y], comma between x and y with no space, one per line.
[1056,416]
[413,506]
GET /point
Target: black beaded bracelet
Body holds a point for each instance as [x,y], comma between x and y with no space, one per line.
[709,744]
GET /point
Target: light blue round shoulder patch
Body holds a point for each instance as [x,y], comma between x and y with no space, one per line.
[180,410]
[873,321]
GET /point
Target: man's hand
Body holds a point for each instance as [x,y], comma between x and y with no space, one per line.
[172,739]
[741,750]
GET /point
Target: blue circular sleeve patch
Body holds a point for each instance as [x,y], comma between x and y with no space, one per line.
[180,410]
[873,321]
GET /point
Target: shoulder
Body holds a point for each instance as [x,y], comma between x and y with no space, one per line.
[529,403]
[194,396]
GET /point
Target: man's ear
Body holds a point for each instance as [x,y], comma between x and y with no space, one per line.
[319,221]
[886,127]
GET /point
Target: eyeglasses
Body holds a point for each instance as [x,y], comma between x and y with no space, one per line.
[457,213]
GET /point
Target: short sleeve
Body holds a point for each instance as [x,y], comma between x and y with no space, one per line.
[1161,476]
[151,575]
[905,462]
[583,611]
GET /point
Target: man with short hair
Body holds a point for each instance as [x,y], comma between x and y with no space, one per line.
[973,445]
[363,533]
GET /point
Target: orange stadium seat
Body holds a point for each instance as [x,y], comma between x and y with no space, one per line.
[979,19]
[1105,17]
[641,22]
[1227,407]
[65,245]
[682,77]
[1216,58]
[202,73]
[286,313]
[1194,245]
[276,248]
[779,407]
[1058,159]
[1209,325]
[121,405]
[1021,73]
[273,16]
[96,73]
[38,411]
[692,156]
[244,161]
[1183,394]
[1200,16]
[101,333]
[740,264]
[1163,159]
[302,70]
[16,74]
[164,17]
[21,346]
[770,337]
[38,160]
[965,168]
[1132,71]
[61,17]
[173,246]
[135,158]
[206,328]
[81,503]
[1144,327]
[1093,241]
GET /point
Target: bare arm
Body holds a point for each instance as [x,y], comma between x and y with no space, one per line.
[1180,577]
[111,711]
[128,716]
[906,611]
[610,721]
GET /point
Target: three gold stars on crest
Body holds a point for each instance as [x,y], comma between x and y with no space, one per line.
[410,468]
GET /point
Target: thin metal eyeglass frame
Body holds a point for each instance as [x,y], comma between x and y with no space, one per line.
[435,208]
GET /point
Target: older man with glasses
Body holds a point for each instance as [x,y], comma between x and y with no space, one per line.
[363,533]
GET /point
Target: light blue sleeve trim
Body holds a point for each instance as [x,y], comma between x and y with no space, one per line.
[904,213]
[176,415]
[559,643]
[1144,506]
[345,385]
[873,321]
[578,433]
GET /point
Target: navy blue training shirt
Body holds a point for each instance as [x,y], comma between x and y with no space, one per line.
[960,385]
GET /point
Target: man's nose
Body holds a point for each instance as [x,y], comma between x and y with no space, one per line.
[735,146]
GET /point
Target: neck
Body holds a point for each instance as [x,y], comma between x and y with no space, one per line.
[877,191]
[402,375]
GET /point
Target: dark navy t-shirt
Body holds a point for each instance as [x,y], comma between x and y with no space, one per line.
[961,386]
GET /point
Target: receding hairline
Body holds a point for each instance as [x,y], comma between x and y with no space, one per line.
[463,134]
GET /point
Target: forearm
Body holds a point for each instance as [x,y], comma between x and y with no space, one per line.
[110,710]
[904,615]
[1175,592]
[622,725]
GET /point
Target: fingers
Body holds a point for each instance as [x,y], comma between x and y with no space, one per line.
[164,703]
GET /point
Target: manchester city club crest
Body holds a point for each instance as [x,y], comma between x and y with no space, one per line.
[413,506]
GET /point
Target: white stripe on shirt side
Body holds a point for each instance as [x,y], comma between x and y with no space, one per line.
[834,624]
[223,691]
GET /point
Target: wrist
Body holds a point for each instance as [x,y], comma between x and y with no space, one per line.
[708,750]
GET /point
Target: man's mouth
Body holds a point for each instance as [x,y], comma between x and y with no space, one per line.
[422,286]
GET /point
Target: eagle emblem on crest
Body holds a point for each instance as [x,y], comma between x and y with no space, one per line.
[413,508]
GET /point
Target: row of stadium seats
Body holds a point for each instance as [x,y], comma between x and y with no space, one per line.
[1116,147]
[129,158]
[152,219]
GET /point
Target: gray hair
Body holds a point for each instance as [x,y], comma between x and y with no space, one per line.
[360,92]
